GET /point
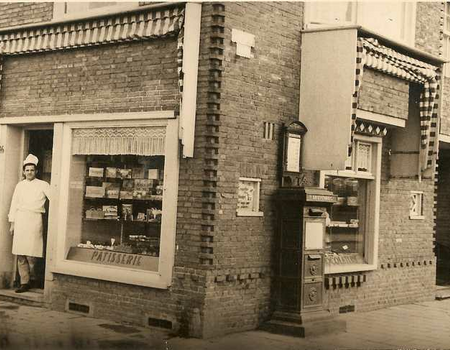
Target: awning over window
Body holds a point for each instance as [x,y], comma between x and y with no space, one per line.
[391,62]
[128,27]
[370,53]
[145,141]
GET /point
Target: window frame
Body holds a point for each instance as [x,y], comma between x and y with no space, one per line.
[60,15]
[420,196]
[158,279]
[446,39]
[372,207]
[357,14]
[255,210]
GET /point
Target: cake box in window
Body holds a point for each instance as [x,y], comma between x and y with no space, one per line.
[124,173]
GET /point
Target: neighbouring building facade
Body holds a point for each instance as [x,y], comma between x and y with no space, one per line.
[160,129]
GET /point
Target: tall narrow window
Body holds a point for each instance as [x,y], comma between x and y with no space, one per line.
[446,46]
[352,223]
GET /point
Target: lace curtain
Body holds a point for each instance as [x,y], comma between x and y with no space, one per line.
[144,141]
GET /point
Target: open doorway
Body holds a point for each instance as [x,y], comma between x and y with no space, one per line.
[442,218]
[40,143]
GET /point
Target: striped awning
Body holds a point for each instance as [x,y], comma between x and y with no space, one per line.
[391,62]
[372,54]
[118,28]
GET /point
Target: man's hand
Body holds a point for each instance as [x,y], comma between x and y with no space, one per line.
[11,229]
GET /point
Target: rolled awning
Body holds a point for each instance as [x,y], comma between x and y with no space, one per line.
[119,28]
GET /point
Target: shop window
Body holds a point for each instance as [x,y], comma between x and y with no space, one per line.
[352,222]
[416,205]
[119,217]
[248,197]
[67,10]
[446,46]
[346,229]
[363,156]
[394,19]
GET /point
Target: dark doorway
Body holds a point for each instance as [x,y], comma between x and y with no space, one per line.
[443,218]
[40,143]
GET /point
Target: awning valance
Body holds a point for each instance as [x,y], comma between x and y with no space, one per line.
[372,54]
[144,141]
[125,27]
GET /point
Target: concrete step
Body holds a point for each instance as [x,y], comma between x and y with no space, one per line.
[442,293]
[307,329]
[34,297]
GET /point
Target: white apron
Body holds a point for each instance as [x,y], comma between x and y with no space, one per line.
[28,234]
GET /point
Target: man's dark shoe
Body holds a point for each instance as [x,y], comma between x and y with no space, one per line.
[23,288]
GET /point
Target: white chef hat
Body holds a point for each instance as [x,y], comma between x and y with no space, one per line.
[31,159]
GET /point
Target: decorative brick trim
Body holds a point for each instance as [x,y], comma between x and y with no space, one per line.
[409,263]
[241,275]
[345,280]
[213,115]
[366,128]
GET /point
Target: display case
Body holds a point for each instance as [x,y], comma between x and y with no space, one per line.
[345,226]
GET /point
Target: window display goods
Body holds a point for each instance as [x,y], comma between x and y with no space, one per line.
[115,217]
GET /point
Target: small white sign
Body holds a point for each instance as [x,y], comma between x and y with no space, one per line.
[314,235]
[293,156]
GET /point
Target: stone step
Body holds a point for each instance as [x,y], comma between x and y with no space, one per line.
[307,329]
[442,293]
[34,297]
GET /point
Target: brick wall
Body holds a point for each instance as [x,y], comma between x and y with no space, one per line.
[21,13]
[445,115]
[253,90]
[429,26]
[384,94]
[128,77]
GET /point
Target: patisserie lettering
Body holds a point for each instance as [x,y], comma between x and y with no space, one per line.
[116,258]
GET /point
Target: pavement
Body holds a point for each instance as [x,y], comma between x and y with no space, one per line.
[424,325]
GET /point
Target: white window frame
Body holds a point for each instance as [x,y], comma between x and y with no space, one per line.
[84,11]
[409,16]
[446,39]
[157,279]
[413,214]
[256,199]
[373,206]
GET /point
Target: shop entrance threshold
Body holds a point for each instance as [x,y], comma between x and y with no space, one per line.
[34,297]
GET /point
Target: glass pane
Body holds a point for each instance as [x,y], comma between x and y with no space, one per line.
[346,228]
[115,210]
[95,5]
[332,12]
[386,18]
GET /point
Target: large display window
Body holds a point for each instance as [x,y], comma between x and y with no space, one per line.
[353,221]
[115,216]
[118,214]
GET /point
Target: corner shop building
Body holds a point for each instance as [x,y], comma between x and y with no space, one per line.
[107,96]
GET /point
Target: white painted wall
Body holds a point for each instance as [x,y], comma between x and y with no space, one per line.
[328,63]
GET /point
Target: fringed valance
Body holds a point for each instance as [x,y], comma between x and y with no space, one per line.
[391,62]
[146,141]
[372,54]
[118,28]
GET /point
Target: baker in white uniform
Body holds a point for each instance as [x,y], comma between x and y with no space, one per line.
[25,216]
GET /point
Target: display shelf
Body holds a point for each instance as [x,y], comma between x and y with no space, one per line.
[342,225]
[100,219]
